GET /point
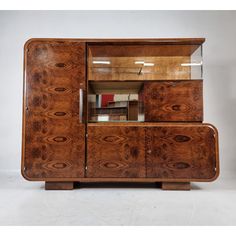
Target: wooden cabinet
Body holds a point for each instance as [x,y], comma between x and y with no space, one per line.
[150,131]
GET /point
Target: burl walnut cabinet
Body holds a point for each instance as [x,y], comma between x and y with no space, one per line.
[116,110]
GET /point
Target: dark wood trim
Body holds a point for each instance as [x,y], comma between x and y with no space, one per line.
[59,185]
[176,186]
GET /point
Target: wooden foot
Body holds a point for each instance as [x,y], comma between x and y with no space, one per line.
[59,185]
[176,186]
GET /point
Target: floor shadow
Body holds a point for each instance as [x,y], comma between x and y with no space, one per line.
[195,187]
[117,185]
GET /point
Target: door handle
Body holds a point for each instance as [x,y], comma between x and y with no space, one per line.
[81,105]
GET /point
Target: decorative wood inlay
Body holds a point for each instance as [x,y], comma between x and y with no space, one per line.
[60,89]
[60,113]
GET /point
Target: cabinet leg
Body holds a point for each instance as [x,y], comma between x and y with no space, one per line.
[176,186]
[59,185]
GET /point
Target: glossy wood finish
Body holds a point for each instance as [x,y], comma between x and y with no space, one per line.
[176,186]
[173,101]
[53,130]
[59,185]
[181,152]
[127,41]
[139,51]
[176,152]
[116,151]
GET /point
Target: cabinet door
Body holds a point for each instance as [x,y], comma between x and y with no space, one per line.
[173,101]
[116,151]
[53,128]
[182,152]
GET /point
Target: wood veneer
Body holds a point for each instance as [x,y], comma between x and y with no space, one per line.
[167,151]
[173,101]
[53,131]
[116,151]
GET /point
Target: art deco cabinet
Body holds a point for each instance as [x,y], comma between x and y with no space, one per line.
[107,110]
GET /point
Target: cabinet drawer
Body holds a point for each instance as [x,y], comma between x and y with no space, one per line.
[173,101]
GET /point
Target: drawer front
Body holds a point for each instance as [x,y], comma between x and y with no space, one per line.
[116,151]
[182,152]
[173,101]
[53,130]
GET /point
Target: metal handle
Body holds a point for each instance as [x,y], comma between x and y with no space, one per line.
[81,105]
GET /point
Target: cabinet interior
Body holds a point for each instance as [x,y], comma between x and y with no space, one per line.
[117,73]
[144,62]
[115,101]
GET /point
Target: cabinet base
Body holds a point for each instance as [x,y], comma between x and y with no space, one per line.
[176,186]
[162,185]
[59,185]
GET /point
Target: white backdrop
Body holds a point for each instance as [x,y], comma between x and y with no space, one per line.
[218,27]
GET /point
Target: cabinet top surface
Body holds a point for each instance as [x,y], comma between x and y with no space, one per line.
[196,41]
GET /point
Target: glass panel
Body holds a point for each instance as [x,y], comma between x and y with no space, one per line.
[144,62]
[196,64]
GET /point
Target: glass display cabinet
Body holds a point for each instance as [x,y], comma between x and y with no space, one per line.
[120,75]
[125,110]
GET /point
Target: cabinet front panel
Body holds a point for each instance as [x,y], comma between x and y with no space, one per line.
[173,101]
[116,151]
[54,135]
[181,152]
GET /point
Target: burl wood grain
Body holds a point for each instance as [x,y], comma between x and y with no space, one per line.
[186,152]
[116,151]
[54,133]
[173,101]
